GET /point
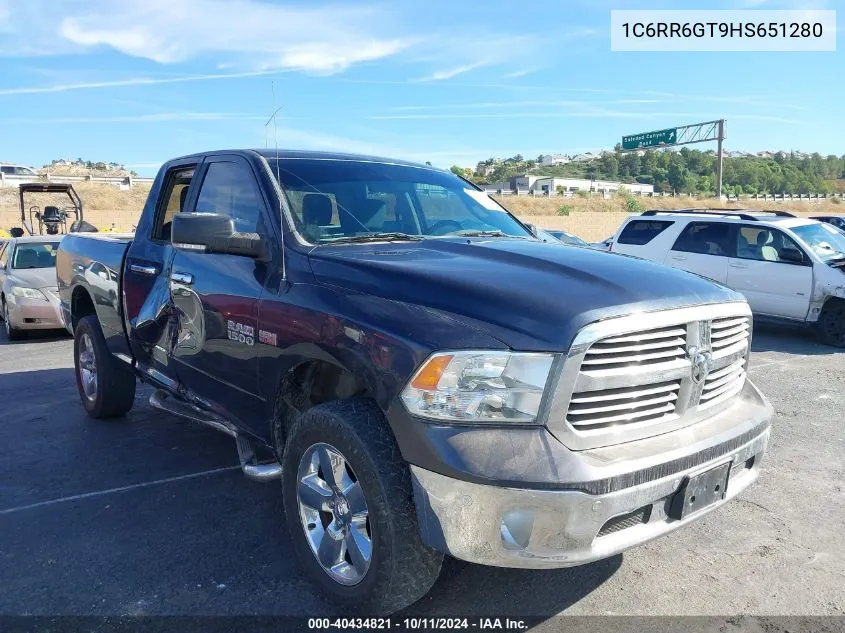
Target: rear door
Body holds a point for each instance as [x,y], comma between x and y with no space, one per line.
[216,297]
[146,289]
[703,248]
[773,285]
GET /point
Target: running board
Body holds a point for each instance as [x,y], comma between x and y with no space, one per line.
[165,402]
[250,466]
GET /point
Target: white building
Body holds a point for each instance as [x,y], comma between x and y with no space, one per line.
[555,185]
[554,159]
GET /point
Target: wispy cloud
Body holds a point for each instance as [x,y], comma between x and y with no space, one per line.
[249,34]
[140,118]
[521,73]
[452,72]
[134,81]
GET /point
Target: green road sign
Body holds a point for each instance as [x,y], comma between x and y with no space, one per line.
[650,139]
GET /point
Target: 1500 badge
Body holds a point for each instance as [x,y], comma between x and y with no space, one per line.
[241,333]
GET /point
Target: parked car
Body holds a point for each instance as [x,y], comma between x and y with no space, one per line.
[836,220]
[790,269]
[18,170]
[423,375]
[29,297]
[567,238]
[604,245]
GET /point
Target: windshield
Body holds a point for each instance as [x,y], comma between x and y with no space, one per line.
[35,255]
[824,240]
[343,200]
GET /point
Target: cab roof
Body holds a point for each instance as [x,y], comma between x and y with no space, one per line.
[298,154]
[782,218]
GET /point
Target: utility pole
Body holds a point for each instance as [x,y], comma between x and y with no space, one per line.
[720,137]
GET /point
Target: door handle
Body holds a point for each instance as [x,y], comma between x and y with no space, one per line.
[679,258]
[737,265]
[143,270]
[182,278]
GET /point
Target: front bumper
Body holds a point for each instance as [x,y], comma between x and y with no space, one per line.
[35,314]
[586,521]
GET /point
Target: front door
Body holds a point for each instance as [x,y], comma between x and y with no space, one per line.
[774,286]
[216,297]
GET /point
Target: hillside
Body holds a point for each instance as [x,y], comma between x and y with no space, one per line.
[683,171]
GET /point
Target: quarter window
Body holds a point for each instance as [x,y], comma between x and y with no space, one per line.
[640,232]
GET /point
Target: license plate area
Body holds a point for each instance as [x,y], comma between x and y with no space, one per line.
[699,491]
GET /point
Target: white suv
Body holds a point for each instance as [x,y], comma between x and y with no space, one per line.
[790,269]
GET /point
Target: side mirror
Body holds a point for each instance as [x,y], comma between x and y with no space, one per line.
[532,228]
[792,256]
[215,233]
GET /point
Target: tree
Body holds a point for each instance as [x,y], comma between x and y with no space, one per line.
[458,171]
[609,166]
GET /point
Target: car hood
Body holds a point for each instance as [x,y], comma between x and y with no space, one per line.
[34,277]
[527,294]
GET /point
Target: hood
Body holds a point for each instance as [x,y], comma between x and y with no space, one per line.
[34,277]
[530,295]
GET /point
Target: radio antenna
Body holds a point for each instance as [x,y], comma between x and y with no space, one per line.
[278,177]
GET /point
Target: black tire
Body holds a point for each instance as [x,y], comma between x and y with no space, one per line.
[12,333]
[831,325]
[402,569]
[115,384]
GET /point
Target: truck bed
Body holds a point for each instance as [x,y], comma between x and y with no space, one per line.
[89,267]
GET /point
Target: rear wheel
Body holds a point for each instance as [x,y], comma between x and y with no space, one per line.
[106,386]
[12,333]
[350,512]
[831,325]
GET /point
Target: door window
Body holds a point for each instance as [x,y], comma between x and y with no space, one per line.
[174,199]
[230,189]
[766,245]
[706,238]
[4,255]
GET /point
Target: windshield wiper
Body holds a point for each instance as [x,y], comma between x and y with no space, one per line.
[375,237]
[495,233]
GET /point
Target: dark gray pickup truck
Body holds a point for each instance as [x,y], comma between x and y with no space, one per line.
[424,375]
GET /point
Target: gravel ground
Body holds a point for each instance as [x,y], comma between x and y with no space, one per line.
[149,515]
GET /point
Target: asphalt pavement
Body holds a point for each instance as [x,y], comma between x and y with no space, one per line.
[149,515]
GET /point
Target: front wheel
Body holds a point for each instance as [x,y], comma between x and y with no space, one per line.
[12,333]
[106,386]
[350,512]
[831,325]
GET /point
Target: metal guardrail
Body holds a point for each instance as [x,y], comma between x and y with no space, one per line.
[124,183]
[780,197]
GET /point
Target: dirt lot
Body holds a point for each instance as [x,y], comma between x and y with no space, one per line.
[149,515]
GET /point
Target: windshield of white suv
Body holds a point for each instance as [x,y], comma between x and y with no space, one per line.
[825,241]
[335,201]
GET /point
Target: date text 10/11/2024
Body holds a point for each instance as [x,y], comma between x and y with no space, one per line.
[419,624]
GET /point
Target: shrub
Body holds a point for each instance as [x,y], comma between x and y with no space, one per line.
[565,209]
[633,205]
[581,193]
[836,200]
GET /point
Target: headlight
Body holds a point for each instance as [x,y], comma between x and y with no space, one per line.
[486,387]
[28,293]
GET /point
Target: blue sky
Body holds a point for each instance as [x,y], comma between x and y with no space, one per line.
[140,81]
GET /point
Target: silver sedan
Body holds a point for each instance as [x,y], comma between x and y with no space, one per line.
[29,297]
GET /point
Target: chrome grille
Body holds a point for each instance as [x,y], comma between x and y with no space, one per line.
[722,384]
[645,374]
[640,348]
[595,409]
[727,335]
